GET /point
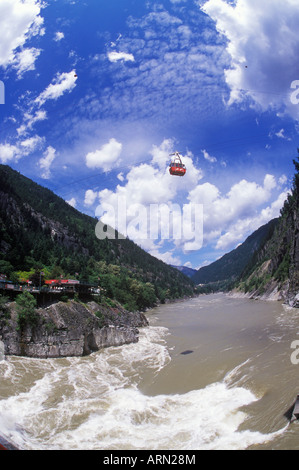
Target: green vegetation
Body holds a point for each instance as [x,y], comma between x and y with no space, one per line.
[41,233]
[4,311]
[26,310]
[101,319]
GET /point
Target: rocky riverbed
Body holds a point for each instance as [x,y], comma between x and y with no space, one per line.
[66,329]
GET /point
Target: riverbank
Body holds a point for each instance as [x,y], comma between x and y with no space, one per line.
[273,292]
[68,329]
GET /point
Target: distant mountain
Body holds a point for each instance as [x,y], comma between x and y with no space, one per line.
[39,231]
[274,270]
[185,270]
[229,268]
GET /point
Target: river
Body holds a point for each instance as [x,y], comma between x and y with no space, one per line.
[214,372]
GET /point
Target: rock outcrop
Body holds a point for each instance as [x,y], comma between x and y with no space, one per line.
[70,329]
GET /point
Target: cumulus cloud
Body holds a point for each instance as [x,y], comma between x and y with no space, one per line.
[161,154]
[145,206]
[72,202]
[58,36]
[263,44]
[90,197]
[8,152]
[106,157]
[64,82]
[227,218]
[19,20]
[46,161]
[230,218]
[238,231]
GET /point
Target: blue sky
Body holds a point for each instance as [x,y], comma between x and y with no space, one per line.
[99,93]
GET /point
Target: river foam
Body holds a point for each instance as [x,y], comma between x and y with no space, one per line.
[95,403]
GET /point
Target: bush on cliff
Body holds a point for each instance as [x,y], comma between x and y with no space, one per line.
[26,310]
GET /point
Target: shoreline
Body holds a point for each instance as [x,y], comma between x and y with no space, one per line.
[272,293]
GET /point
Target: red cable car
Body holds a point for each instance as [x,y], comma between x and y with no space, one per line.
[176,167]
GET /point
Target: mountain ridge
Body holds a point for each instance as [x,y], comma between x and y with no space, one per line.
[229,267]
[42,232]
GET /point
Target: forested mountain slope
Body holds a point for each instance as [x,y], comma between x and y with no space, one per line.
[229,268]
[39,231]
[274,272]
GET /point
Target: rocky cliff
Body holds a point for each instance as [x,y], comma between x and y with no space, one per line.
[70,329]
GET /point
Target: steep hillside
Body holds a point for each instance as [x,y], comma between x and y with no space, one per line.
[39,231]
[229,268]
[274,272]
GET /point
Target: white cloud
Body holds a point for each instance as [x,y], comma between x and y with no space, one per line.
[282,180]
[209,157]
[30,144]
[168,257]
[58,36]
[269,183]
[30,120]
[90,197]
[46,162]
[163,18]
[116,56]
[25,60]
[176,70]
[19,20]
[243,228]
[161,154]
[229,218]
[107,157]
[149,188]
[281,135]
[8,152]
[72,202]
[120,176]
[64,82]
[263,44]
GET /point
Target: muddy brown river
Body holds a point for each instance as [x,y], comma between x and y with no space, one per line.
[214,372]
